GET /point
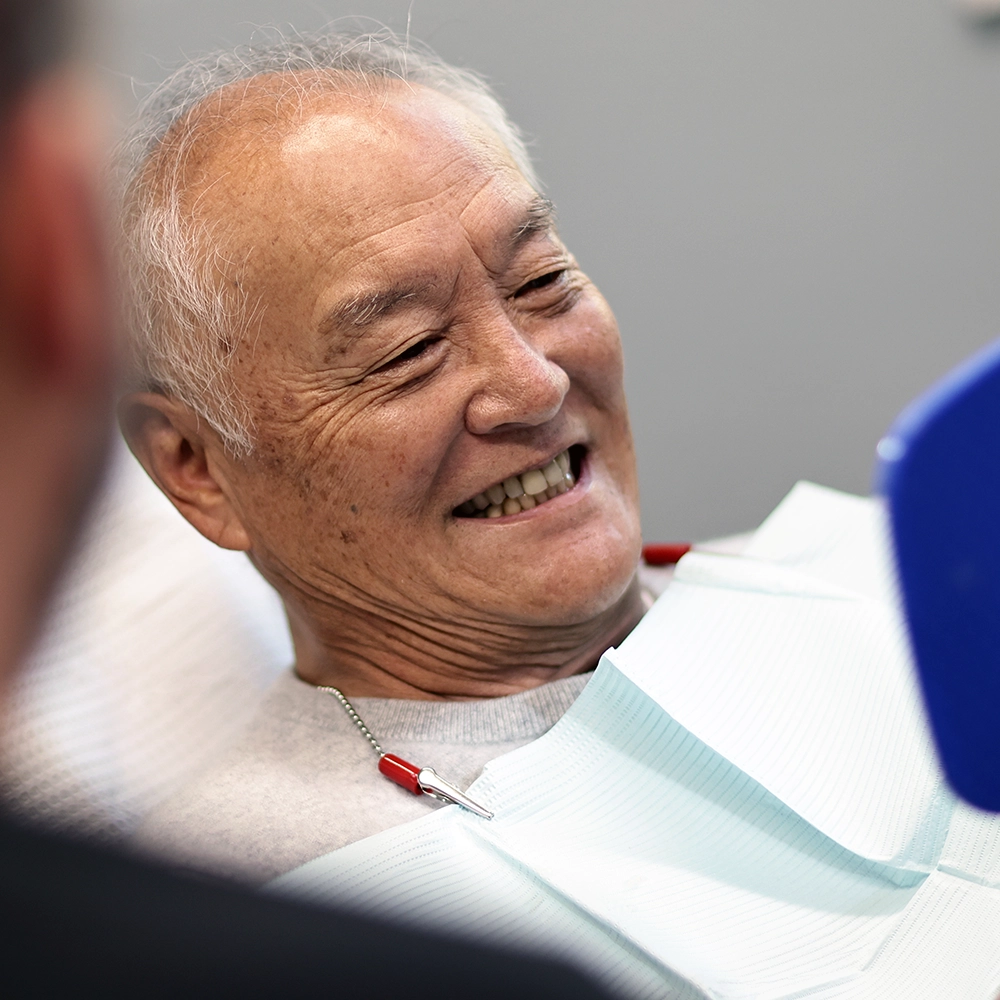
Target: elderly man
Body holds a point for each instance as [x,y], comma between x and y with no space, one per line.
[367,360]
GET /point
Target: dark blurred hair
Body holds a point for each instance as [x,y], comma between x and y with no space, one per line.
[34,36]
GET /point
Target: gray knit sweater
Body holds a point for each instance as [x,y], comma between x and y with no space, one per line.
[303,780]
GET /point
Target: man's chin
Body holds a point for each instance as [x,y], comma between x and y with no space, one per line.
[563,592]
[580,608]
[564,569]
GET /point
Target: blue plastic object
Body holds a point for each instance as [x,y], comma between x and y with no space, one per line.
[940,472]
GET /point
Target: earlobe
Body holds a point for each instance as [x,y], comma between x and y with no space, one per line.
[182,457]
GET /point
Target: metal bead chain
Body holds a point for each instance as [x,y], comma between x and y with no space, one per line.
[358,721]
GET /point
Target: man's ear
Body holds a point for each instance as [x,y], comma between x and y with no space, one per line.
[179,453]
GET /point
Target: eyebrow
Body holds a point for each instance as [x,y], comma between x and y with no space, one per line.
[539,217]
[367,307]
[362,310]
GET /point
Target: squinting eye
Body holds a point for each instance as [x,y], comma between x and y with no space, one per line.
[542,282]
[410,353]
[413,352]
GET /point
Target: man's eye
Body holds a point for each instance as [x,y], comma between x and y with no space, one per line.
[409,354]
[545,280]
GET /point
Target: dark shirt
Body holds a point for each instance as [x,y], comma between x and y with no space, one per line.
[83,920]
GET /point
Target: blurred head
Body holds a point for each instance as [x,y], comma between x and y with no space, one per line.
[55,342]
[388,380]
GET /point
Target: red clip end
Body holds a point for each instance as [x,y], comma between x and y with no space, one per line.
[664,553]
[401,771]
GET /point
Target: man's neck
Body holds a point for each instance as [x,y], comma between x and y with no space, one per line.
[366,655]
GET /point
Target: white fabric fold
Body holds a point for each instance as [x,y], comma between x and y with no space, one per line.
[809,692]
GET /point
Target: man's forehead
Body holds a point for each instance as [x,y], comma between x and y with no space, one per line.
[344,199]
[277,161]
[286,120]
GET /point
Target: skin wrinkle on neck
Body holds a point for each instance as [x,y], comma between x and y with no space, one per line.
[439,655]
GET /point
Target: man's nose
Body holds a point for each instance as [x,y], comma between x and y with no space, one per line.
[520,385]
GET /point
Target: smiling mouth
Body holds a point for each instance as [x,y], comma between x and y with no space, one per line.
[528,490]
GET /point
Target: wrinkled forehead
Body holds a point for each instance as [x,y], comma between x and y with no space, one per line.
[256,148]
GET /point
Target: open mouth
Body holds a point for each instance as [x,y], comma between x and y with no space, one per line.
[528,490]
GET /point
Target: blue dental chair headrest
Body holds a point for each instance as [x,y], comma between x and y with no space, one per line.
[939,469]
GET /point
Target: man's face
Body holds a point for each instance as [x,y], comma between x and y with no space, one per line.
[423,337]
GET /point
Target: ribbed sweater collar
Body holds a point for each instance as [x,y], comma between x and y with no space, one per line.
[525,715]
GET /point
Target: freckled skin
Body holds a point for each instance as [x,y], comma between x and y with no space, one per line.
[367,438]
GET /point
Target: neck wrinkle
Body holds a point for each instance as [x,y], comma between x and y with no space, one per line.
[383,659]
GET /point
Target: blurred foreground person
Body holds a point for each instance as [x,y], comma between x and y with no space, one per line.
[78,919]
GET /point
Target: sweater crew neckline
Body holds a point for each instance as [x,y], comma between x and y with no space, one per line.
[525,715]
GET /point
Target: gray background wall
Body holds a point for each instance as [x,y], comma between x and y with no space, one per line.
[792,205]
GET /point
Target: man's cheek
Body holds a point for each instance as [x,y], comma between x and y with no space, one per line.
[598,370]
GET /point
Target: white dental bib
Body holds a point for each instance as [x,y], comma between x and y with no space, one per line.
[743,803]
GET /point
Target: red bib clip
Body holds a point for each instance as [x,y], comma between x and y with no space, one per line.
[664,553]
[426,781]
[401,771]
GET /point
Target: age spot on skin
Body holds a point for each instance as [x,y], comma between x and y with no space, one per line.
[305,488]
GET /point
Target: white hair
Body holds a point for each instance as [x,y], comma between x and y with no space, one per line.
[184,324]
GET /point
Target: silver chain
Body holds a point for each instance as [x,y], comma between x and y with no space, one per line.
[429,782]
[358,721]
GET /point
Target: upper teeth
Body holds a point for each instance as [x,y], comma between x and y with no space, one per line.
[521,492]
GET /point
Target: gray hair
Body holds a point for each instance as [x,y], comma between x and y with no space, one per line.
[184,330]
